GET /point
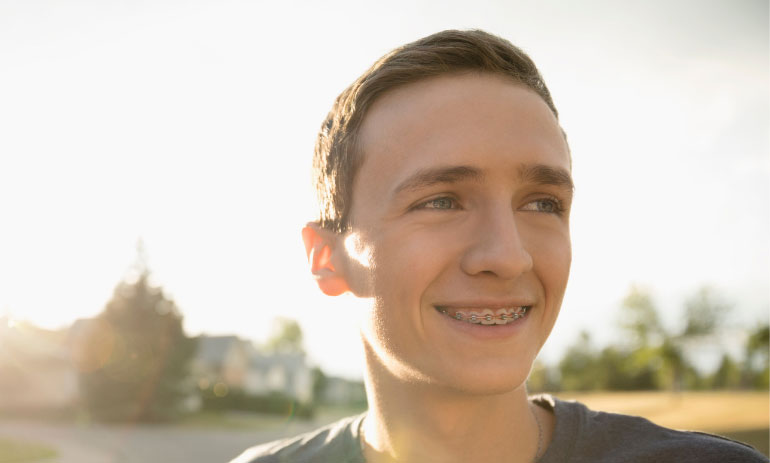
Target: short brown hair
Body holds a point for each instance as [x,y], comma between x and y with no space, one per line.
[337,154]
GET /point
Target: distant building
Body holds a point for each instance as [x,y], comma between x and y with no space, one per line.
[340,391]
[221,359]
[286,373]
[40,369]
[239,365]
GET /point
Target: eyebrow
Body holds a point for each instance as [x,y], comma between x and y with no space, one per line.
[533,173]
[432,176]
[547,175]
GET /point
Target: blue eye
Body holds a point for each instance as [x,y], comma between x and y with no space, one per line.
[442,203]
[545,205]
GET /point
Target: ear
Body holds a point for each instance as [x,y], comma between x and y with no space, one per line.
[321,247]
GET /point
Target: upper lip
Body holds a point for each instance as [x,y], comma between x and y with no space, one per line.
[486,304]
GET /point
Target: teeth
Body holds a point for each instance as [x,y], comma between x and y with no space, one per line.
[488,316]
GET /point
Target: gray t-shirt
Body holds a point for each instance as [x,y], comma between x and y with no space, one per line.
[580,436]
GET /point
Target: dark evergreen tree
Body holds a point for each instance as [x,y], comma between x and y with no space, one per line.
[756,368]
[134,356]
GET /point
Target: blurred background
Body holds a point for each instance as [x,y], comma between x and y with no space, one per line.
[155,303]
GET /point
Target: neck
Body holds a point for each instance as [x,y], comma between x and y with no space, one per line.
[415,421]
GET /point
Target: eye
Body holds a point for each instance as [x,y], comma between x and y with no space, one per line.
[546,205]
[440,203]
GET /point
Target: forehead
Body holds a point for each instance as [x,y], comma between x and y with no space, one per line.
[484,120]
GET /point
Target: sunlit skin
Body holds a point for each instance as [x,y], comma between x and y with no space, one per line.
[462,203]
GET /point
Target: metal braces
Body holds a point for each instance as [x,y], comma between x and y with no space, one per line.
[473,318]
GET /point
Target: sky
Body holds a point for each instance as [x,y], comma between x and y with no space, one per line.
[190,125]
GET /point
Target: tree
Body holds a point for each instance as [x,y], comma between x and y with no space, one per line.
[756,368]
[320,383]
[703,313]
[674,363]
[578,366]
[727,376]
[134,356]
[543,378]
[639,318]
[654,344]
[623,369]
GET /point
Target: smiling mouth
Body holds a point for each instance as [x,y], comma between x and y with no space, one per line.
[488,317]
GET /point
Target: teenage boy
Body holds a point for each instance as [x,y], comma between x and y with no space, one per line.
[444,184]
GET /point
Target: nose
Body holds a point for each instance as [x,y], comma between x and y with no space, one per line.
[496,248]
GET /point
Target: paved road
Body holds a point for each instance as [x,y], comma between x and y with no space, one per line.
[141,443]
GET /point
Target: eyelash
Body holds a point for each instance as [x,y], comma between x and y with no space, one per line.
[555,203]
[424,204]
[558,206]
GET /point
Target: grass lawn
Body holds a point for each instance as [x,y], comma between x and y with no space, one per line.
[743,416]
[16,451]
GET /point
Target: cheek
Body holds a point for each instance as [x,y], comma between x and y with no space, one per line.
[551,252]
[406,266]
[410,259]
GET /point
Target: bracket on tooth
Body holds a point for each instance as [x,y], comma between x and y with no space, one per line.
[474,318]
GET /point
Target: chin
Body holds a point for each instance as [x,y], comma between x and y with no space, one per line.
[489,379]
[468,376]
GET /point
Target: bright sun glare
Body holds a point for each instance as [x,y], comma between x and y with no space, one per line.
[192,128]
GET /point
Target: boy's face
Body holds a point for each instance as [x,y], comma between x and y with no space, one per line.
[461,204]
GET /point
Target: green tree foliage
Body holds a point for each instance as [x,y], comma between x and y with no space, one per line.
[651,340]
[639,318]
[653,357]
[621,369]
[703,313]
[543,378]
[613,368]
[674,364]
[134,356]
[578,366]
[286,336]
[320,382]
[756,369]
[656,357]
[727,375]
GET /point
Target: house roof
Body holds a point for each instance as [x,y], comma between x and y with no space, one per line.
[212,349]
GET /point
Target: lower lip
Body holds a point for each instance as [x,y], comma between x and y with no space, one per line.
[480,331]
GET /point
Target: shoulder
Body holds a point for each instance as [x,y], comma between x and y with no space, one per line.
[336,442]
[585,435]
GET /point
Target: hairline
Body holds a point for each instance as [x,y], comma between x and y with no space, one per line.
[357,147]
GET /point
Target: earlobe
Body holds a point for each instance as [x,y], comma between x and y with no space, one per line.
[321,249]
